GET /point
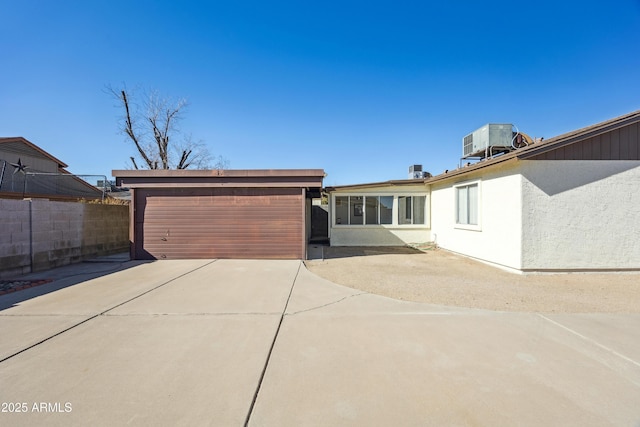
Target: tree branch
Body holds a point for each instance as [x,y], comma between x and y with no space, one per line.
[133,161]
[130,131]
[154,131]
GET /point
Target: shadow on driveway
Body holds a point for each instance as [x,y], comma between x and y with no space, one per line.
[65,276]
[333,252]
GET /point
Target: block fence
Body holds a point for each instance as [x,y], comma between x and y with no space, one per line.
[40,234]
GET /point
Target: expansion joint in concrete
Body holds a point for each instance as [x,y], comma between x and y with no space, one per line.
[273,344]
[327,304]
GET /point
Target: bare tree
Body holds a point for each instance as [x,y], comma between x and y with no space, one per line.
[152,126]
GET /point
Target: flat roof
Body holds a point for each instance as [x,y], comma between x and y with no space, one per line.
[391,183]
[163,178]
[217,172]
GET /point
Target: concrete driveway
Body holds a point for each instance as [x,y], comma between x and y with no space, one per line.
[267,343]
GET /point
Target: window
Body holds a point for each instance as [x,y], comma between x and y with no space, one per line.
[371,210]
[378,210]
[411,209]
[386,209]
[419,204]
[342,210]
[404,210]
[467,204]
[356,212]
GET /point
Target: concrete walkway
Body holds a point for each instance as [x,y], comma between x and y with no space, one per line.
[266,343]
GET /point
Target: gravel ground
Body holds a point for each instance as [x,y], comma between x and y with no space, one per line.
[436,276]
[13,285]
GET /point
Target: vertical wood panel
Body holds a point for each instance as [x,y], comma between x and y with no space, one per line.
[587,148]
[605,146]
[625,143]
[574,152]
[615,144]
[595,148]
[634,144]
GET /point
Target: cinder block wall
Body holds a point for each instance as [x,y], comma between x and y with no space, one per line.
[14,236]
[41,234]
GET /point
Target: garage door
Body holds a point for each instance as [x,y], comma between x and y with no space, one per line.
[219,223]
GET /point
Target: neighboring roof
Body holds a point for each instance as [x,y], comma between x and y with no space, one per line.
[29,149]
[551,144]
[309,178]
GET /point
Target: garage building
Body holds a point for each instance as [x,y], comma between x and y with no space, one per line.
[262,214]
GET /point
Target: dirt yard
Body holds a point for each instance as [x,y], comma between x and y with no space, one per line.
[440,277]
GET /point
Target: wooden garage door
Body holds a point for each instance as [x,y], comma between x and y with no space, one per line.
[219,223]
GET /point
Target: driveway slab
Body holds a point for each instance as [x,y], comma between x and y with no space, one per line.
[223,286]
[267,343]
[102,293]
[368,360]
[60,305]
[179,343]
[614,333]
[142,370]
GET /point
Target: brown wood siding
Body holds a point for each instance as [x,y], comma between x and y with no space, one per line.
[219,223]
[618,144]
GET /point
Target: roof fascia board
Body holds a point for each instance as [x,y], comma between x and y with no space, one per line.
[397,183]
[202,173]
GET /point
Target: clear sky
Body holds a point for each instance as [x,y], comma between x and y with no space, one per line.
[361,89]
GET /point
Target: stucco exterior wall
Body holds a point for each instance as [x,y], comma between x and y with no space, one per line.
[377,236]
[380,235]
[497,238]
[40,234]
[581,215]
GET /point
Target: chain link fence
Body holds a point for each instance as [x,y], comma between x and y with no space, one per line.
[35,184]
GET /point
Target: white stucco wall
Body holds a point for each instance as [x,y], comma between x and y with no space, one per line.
[581,215]
[380,235]
[497,239]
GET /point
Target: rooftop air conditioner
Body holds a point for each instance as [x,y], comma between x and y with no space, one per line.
[490,135]
[415,172]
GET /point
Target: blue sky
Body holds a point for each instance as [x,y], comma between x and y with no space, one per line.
[362,89]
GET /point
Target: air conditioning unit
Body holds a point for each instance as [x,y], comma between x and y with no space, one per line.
[496,136]
[415,172]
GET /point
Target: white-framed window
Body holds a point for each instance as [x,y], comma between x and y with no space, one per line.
[380,210]
[467,209]
[363,210]
[411,209]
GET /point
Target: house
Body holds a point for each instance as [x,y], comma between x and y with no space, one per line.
[220,213]
[570,203]
[27,171]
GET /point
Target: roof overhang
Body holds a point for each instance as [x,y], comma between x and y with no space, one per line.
[393,183]
[310,179]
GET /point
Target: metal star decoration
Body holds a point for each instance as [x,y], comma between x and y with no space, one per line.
[19,167]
